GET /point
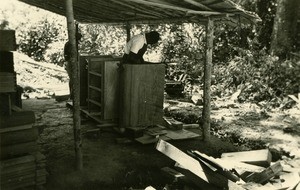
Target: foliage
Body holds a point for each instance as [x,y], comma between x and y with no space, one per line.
[102,39]
[185,46]
[36,40]
[260,78]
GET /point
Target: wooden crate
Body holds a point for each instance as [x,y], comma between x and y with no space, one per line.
[7,40]
[142,95]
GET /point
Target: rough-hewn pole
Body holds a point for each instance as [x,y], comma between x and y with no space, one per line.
[75,84]
[207,78]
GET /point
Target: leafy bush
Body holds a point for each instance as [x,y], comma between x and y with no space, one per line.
[102,39]
[36,40]
[261,77]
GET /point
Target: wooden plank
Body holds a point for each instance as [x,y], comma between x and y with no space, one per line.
[261,157]
[7,87]
[17,119]
[149,139]
[172,174]
[111,90]
[17,169]
[17,174]
[18,149]
[172,123]
[220,168]
[19,184]
[15,161]
[7,40]
[265,175]
[181,134]
[289,180]
[16,128]
[142,98]
[19,136]
[191,126]
[190,177]
[191,164]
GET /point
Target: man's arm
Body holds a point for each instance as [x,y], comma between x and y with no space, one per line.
[134,58]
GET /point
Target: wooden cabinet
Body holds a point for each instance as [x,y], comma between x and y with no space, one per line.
[99,85]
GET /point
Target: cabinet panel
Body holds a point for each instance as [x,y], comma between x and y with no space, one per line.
[143,93]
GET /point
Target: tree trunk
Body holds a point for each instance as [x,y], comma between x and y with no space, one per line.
[75,84]
[285,30]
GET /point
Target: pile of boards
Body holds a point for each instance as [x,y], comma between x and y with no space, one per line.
[170,129]
[235,170]
[21,163]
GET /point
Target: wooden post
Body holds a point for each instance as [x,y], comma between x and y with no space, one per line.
[207,79]
[75,85]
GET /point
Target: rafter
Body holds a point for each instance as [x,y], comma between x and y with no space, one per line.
[197,4]
[187,11]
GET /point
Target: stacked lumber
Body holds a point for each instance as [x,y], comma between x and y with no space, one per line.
[21,163]
[236,170]
[24,171]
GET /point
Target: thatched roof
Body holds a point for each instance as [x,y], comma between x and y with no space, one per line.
[148,11]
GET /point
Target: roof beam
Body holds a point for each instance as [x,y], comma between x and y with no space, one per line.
[187,11]
[158,21]
[197,4]
[136,9]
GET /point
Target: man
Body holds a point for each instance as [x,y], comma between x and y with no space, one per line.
[68,64]
[137,46]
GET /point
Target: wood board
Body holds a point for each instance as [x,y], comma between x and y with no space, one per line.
[256,157]
[142,95]
[186,162]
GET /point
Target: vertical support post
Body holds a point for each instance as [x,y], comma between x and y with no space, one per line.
[128,27]
[207,78]
[75,85]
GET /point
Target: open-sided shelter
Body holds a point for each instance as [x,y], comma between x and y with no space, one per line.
[128,12]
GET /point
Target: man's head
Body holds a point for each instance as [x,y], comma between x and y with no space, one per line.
[152,37]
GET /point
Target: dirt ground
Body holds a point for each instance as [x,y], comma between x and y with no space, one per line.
[111,165]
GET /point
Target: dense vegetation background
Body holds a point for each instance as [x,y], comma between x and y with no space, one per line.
[245,58]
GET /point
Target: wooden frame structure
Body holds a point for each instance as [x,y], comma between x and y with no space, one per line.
[128,12]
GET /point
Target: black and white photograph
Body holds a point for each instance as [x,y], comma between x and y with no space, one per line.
[150,95]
